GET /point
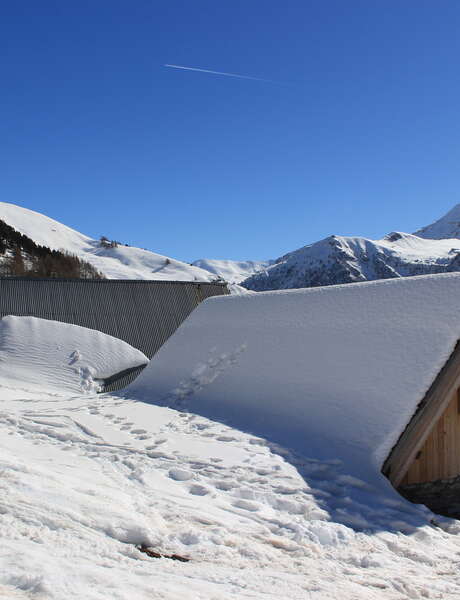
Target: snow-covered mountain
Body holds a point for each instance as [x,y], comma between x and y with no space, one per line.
[338,259]
[119,262]
[447,227]
[233,271]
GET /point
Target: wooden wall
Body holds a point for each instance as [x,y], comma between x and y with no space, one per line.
[439,457]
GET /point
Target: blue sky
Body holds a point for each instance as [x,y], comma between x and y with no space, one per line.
[358,134]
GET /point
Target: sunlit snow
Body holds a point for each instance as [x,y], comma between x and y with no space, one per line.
[88,479]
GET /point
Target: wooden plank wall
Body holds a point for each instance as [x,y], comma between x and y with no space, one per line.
[439,457]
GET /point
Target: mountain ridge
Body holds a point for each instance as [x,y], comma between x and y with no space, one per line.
[349,259]
[114,261]
[336,259]
[447,227]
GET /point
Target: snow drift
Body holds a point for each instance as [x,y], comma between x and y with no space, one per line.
[334,373]
[37,354]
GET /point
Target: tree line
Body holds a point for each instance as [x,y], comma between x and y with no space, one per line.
[22,257]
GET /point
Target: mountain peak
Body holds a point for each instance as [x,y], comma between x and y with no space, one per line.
[447,227]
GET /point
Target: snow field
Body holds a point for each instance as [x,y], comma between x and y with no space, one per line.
[85,480]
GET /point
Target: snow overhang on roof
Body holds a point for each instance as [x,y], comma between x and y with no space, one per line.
[332,372]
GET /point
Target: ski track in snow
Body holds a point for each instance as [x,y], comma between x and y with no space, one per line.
[108,474]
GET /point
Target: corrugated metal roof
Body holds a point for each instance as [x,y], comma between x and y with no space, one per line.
[142,313]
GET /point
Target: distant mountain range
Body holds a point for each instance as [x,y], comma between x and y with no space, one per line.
[336,259]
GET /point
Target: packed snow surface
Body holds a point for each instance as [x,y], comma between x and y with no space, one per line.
[233,271]
[37,354]
[121,262]
[87,479]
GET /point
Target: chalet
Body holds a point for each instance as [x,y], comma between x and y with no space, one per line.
[425,462]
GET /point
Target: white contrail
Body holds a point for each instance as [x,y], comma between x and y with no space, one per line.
[219,73]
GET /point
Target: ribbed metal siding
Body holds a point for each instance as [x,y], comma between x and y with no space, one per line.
[143,313]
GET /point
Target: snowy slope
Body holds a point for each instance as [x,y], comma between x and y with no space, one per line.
[446,227]
[233,271]
[337,259]
[87,479]
[37,354]
[122,262]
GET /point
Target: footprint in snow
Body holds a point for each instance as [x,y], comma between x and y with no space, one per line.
[180,474]
[199,490]
[226,485]
[202,426]
[74,357]
[226,438]
[246,505]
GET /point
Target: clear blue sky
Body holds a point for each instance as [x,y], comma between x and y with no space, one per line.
[97,133]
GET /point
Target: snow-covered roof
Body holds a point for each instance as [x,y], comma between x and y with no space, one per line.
[38,354]
[333,372]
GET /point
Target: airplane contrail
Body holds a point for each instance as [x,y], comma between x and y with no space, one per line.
[219,73]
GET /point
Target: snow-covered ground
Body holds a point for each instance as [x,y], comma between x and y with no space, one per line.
[87,479]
